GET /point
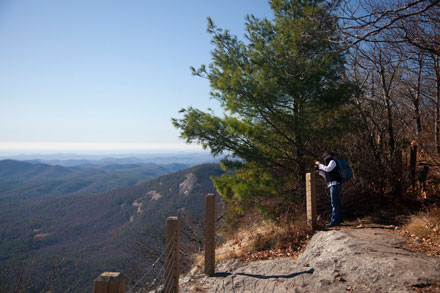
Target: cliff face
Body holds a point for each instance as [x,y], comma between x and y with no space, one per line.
[334,261]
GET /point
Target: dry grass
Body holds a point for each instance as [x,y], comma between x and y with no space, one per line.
[424,227]
[419,226]
[265,240]
[434,216]
[243,241]
[423,230]
[259,240]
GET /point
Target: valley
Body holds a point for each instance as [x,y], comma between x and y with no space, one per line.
[30,180]
[76,236]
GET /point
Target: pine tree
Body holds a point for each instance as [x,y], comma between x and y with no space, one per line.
[282,90]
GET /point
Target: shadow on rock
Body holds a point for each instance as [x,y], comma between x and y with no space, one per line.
[220,275]
[277,276]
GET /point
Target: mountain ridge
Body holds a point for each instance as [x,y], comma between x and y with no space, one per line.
[92,232]
[25,180]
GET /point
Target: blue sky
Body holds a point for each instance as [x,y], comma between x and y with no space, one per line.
[106,75]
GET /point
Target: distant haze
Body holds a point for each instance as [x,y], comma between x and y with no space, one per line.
[14,148]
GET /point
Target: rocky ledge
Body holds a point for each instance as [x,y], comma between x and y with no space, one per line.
[358,260]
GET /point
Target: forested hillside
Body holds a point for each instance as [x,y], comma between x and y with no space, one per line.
[78,237]
[29,180]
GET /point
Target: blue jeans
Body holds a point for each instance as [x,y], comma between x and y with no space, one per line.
[335,195]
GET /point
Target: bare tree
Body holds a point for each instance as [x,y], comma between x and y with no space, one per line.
[389,43]
[436,66]
[415,22]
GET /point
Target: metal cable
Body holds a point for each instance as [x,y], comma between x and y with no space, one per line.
[160,284]
[153,265]
[169,273]
[163,266]
[166,279]
[156,278]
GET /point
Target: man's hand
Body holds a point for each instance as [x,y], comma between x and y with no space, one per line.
[316,167]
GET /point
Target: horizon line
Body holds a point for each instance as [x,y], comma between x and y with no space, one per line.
[95,146]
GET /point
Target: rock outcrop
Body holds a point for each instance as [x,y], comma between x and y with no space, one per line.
[334,261]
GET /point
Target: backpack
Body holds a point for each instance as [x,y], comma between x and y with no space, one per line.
[344,170]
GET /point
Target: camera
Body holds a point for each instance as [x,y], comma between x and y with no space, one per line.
[316,167]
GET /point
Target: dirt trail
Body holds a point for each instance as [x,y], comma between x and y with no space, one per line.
[358,260]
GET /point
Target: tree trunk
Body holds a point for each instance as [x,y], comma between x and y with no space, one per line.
[437,103]
[390,125]
[437,117]
[397,172]
[416,103]
[299,141]
[386,88]
[387,100]
[412,163]
[417,99]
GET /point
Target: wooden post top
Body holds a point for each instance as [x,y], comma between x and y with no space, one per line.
[107,276]
[110,282]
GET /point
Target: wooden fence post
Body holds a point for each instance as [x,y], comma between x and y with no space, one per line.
[311,199]
[172,255]
[210,234]
[109,282]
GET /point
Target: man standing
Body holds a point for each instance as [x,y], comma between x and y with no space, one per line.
[330,171]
